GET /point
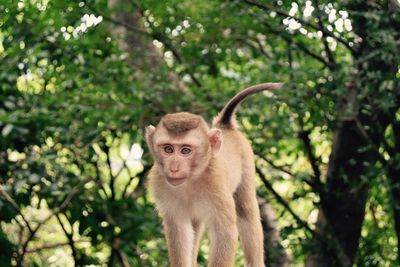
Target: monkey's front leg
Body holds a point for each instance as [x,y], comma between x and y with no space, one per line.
[223,238]
[180,239]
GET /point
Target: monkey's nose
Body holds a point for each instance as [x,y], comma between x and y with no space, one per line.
[174,170]
[174,167]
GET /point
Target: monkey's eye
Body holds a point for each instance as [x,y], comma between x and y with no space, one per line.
[168,149]
[186,150]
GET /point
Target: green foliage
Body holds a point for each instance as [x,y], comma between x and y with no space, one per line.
[6,250]
[76,93]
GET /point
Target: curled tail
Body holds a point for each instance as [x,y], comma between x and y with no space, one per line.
[226,118]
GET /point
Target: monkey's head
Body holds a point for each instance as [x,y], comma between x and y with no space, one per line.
[182,144]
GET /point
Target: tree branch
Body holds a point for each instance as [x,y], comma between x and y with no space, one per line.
[120,23]
[112,177]
[95,165]
[161,38]
[9,199]
[98,178]
[122,258]
[247,40]
[304,136]
[70,237]
[327,241]
[269,186]
[281,33]
[324,36]
[363,133]
[396,129]
[276,254]
[52,246]
[75,190]
[281,13]
[277,167]
[284,169]
[138,253]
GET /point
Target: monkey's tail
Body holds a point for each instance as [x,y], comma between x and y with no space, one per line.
[226,118]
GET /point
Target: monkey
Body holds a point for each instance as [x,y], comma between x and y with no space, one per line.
[204,177]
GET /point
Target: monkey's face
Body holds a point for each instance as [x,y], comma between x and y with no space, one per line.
[177,155]
[182,157]
[177,161]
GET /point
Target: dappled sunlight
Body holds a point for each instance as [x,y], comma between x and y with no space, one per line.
[81,80]
[87,21]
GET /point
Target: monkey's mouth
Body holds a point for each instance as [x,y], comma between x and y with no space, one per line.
[176,180]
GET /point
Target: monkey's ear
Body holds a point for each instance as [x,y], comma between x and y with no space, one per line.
[150,130]
[215,136]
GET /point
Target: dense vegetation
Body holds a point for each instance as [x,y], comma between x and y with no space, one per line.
[79,80]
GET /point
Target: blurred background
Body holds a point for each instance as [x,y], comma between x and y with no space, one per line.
[79,81]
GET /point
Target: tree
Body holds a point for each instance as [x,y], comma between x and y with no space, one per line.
[80,80]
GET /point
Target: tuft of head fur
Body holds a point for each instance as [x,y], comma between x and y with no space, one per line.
[180,123]
[226,118]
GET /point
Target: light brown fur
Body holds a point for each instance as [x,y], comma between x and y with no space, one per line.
[212,186]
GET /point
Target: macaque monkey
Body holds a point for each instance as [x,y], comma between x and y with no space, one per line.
[205,177]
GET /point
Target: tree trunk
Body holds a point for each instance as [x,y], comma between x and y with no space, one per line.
[355,144]
[394,177]
[344,198]
[134,39]
[275,254]
[146,59]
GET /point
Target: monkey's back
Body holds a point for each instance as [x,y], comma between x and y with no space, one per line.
[238,158]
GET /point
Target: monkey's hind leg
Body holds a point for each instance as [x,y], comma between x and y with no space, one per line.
[249,224]
[223,235]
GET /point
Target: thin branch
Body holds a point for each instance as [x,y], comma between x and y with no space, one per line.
[261,47]
[70,237]
[112,177]
[248,40]
[269,186]
[387,147]
[327,240]
[396,129]
[97,168]
[376,224]
[98,178]
[139,254]
[302,47]
[156,35]
[324,35]
[317,57]
[74,191]
[392,174]
[161,38]
[131,178]
[373,215]
[20,232]
[281,13]
[120,23]
[363,133]
[315,183]
[304,136]
[122,258]
[52,246]
[282,168]
[6,196]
